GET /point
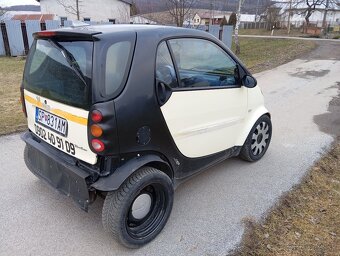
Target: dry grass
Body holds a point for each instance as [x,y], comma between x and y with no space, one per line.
[11,119]
[261,54]
[306,221]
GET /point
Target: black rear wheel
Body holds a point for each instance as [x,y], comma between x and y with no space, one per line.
[137,212]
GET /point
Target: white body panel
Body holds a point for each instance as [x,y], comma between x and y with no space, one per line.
[204,122]
[77,126]
[256,109]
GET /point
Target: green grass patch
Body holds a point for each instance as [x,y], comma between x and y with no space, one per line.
[260,54]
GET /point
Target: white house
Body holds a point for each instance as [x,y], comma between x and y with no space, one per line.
[247,18]
[206,17]
[298,14]
[114,11]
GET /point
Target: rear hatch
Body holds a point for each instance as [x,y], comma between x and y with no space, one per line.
[57,92]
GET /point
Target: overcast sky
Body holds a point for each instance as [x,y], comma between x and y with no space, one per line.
[4,3]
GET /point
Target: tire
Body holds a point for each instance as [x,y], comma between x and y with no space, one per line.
[258,140]
[137,212]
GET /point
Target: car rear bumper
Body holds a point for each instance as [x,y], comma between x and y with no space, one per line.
[62,175]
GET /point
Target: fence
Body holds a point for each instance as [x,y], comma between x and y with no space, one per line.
[284,24]
[16,37]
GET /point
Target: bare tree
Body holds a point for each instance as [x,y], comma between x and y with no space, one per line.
[179,9]
[71,7]
[238,21]
[311,6]
[2,11]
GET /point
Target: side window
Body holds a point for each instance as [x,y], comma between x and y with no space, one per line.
[117,58]
[202,63]
[165,70]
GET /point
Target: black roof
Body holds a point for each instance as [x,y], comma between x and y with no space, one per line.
[149,29]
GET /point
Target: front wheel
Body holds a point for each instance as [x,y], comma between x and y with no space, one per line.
[258,140]
[137,212]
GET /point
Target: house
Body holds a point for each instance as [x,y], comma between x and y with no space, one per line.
[247,18]
[10,14]
[113,11]
[207,17]
[39,17]
[162,18]
[297,18]
[140,19]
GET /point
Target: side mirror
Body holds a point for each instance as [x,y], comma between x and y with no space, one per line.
[249,81]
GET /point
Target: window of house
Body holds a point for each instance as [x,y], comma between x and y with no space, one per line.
[202,63]
[113,21]
[87,19]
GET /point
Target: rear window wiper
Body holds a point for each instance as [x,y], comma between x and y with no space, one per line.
[70,60]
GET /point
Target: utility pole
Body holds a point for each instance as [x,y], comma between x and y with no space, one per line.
[289,14]
[256,13]
[324,23]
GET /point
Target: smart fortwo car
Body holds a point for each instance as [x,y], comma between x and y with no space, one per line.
[130,111]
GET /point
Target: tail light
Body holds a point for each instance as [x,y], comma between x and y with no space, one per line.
[102,129]
[46,33]
[96,131]
[22,99]
[97,145]
[96,116]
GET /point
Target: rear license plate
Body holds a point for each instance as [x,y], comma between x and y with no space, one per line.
[53,122]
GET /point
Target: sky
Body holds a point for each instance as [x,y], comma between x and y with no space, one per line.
[4,3]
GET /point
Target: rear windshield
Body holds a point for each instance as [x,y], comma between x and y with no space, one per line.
[60,71]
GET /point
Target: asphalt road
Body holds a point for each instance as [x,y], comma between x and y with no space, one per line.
[208,210]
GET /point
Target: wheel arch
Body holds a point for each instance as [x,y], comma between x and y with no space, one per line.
[252,118]
[117,178]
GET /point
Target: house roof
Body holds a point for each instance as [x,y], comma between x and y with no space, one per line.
[40,17]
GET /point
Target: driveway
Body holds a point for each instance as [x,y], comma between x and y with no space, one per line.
[208,210]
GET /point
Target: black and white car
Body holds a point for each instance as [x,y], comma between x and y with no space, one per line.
[131,111]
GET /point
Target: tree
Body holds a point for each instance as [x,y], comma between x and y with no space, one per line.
[238,21]
[224,22]
[2,11]
[311,6]
[71,7]
[232,19]
[178,9]
[133,9]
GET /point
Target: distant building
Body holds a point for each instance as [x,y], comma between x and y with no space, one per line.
[207,17]
[10,14]
[113,11]
[39,17]
[140,19]
[247,18]
[298,14]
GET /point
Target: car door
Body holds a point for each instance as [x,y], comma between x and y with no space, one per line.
[202,101]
